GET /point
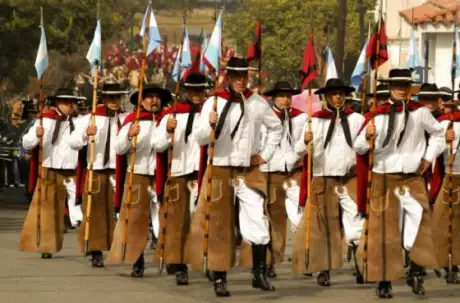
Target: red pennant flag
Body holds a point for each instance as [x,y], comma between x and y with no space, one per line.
[380,35]
[165,54]
[196,60]
[255,47]
[309,70]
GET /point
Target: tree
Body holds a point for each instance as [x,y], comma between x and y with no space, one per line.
[286,25]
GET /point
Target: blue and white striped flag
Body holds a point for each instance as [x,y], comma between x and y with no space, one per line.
[94,52]
[204,45]
[213,52]
[184,56]
[413,58]
[359,70]
[41,62]
[154,34]
[331,69]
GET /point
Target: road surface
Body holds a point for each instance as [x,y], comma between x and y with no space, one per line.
[67,278]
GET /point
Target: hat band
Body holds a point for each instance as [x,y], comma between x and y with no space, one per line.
[399,79]
[195,84]
[70,97]
[444,93]
[238,69]
[429,93]
[382,92]
[114,92]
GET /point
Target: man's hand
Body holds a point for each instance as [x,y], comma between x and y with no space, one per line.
[257,160]
[423,167]
[40,131]
[171,125]
[450,135]
[370,131]
[134,130]
[92,130]
[308,137]
[213,117]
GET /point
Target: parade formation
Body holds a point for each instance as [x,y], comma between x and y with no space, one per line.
[374,173]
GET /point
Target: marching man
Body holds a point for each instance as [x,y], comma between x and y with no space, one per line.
[333,133]
[154,99]
[283,173]
[108,119]
[57,182]
[398,193]
[180,119]
[235,172]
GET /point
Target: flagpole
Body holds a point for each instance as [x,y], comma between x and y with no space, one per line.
[259,85]
[451,152]
[129,195]
[212,139]
[365,79]
[164,205]
[40,147]
[92,149]
[371,153]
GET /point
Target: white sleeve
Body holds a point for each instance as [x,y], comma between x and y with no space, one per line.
[203,128]
[274,132]
[30,139]
[436,142]
[361,145]
[161,138]
[79,138]
[122,144]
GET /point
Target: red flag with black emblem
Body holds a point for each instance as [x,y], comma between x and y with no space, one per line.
[255,48]
[377,58]
[309,70]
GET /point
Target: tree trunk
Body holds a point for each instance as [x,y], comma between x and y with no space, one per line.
[341,27]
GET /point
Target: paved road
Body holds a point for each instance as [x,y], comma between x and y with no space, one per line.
[68,278]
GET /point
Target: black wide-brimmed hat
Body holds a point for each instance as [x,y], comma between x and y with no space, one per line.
[282,87]
[353,97]
[112,89]
[446,93]
[335,84]
[429,91]
[196,80]
[382,91]
[398,75]
[151,89]
[237,65]
[64,94]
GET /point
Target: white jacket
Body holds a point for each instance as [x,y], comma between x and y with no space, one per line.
[247,140]
[186,156]
[79,138]
[338,158]
[145,163]
[285,156]
[58,155]
[413,148]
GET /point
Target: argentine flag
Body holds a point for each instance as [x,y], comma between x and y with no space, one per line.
[359,70]
[183,59]
[41,62]
[94,52]
[154,34]
[331,69]
[213,52]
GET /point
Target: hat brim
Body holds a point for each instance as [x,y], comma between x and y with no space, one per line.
[165,95]
[346,89]
[379,94]
[274,92]
[429,95]
[113,93]
[195,85]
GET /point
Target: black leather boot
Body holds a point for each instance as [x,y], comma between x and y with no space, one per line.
[384,290]
[46,256]
[415,280]
[271,273]
[171,269]
[324,278]
[220,283]
[138,268]
[96,259]
[181,274]
[259,270]
[452,276]
[359,276]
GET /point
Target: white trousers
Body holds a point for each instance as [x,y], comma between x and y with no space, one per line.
[254,224]
[154,211]
[410,216]
[352,224]
[293,210]
[75,212]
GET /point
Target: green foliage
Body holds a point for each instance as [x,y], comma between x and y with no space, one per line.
[286,25]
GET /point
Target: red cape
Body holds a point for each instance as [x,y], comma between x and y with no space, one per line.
[225,94]
[439,167]
[362,161]
[293,112]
